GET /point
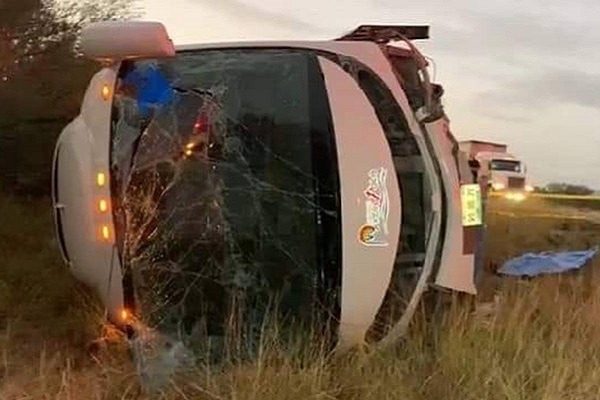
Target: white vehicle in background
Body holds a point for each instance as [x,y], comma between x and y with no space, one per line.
[501,171]
[323,174]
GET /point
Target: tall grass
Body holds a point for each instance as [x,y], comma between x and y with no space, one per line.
[540,339]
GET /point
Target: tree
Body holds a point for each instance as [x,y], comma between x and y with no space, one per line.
[42,80]
[31,28]
[566,188]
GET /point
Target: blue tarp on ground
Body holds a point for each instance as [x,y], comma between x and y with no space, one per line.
[530,264]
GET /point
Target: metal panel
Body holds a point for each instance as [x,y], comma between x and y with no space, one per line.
[369,201]
[84,151]
[456,269]
[516,182]
[387,33]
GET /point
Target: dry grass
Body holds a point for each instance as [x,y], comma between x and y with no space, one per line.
[541,340]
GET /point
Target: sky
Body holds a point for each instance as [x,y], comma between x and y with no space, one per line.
[522,72]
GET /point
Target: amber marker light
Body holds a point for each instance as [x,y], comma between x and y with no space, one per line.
[103,205]
[101,179]
[105,91]
[105,232]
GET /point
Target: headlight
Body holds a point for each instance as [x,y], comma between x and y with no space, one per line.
[498,186]
[515,196]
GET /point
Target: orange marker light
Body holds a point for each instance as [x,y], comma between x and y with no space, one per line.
[103,205]
[124,314]
[105,92]
[105,232]
[190,145]
[101,179]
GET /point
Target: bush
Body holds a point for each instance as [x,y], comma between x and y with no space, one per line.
[566,188]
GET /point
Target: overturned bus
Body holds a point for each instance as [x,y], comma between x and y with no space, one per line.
[319,179]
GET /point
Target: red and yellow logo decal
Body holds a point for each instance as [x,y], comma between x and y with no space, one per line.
[375,230]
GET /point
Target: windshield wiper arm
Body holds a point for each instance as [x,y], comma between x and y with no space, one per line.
[200,92]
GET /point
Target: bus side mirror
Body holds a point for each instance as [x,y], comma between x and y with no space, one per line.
[114,41]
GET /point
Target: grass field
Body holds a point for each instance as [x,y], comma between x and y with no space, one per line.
[534,339]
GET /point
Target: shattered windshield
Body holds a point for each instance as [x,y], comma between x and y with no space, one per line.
[226,192]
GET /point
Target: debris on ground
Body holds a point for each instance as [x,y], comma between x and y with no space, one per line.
[534,264]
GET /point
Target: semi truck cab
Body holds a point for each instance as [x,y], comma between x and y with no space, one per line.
[501,172]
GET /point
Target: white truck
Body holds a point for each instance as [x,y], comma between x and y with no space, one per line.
[500,171]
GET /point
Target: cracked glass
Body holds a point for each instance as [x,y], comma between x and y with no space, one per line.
[226,196]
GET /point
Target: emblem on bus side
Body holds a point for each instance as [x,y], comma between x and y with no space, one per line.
[375,230]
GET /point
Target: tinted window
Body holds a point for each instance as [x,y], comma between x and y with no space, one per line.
[225,174]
